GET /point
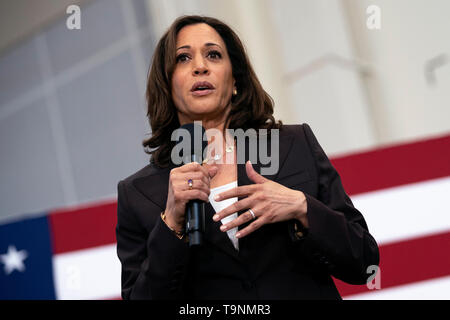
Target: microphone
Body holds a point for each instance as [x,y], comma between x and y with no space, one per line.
[195,209]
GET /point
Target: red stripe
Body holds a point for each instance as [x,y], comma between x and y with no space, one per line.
[395,165]
[83,228]
[409,261]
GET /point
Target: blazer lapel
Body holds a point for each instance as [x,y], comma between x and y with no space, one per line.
[215,236]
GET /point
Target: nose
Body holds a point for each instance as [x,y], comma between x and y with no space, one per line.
[200,68]
[201,71]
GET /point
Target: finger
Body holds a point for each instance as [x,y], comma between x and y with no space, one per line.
[252,227]
[183,178]
[194,194]
[233,208]
[197,184]
[208,171]
[198,176]
[193,167]
[243,218]
[237,192]
[182,173]
[212,171]
[252,174]
[193,175]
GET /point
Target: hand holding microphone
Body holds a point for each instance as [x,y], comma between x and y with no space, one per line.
[180,193]
[189,188]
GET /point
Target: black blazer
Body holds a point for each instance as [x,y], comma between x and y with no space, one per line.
[272,262]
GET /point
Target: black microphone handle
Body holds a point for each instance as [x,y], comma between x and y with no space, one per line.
[195,218]
[195,222]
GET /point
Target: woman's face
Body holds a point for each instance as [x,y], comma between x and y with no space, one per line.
[202,82]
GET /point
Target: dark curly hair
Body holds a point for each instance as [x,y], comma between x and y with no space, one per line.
[252,107]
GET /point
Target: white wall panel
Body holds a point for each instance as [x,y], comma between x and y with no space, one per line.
[29,179]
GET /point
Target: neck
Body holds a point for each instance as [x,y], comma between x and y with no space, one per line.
[217,141]
[216,121]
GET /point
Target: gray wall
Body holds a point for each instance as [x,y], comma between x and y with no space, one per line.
[72,109]
[20,18]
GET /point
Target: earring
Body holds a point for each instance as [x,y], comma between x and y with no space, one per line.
[234,92]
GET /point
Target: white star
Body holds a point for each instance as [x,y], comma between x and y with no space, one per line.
[13,260]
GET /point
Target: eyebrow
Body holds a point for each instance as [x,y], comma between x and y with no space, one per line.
[208,44]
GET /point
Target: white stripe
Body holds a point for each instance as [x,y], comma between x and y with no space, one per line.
[87,274]
[392,214]
[408,211]
[436,289]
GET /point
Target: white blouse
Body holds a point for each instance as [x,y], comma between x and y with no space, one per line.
[222,205]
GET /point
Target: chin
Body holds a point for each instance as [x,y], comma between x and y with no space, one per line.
[203,108]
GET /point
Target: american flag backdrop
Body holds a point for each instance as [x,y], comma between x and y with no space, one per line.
[403,192]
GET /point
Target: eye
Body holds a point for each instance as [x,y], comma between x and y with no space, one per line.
[213,54]
[182,57]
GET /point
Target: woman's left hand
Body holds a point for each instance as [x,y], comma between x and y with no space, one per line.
[270,202]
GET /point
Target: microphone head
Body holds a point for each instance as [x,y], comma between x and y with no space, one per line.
[194,148]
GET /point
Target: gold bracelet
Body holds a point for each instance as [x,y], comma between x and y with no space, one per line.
[299,230]
[299,234]
[179,234]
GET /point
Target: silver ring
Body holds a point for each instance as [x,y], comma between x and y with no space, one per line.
[252,213]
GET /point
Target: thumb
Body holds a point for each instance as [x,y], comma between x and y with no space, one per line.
[252,174]
[212,171]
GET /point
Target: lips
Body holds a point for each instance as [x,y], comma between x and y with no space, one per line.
[202,88]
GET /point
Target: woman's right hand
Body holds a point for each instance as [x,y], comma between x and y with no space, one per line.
[179,193]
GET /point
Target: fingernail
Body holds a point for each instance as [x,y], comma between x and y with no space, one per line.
[238,235]
[223,228]
[216,217]
[216,197]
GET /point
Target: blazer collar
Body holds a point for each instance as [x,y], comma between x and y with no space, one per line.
[154,186]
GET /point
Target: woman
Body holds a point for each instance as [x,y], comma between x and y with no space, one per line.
[279,236]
